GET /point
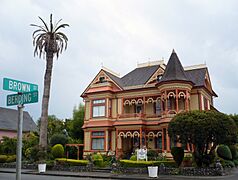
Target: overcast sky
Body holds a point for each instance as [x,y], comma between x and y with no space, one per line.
[119,34]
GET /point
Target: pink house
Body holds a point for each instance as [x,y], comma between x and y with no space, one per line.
[8,122]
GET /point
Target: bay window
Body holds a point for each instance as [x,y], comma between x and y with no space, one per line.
[99,108]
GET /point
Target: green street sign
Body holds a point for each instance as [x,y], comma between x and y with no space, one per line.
[18,86]
[22,98]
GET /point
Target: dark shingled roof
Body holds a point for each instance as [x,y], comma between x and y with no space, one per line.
[197,76]
[9,119]
[115,78]
[139,76]
[174,70]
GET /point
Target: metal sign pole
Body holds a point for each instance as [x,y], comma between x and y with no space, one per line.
[20,108]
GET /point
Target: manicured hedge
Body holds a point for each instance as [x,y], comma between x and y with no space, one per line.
[11,158]
[72,162]
[3,158]
[130,163]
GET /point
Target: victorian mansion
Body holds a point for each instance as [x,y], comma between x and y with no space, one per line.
[124,113]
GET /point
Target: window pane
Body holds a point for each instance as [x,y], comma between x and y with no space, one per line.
[100,101]
[99,133]
[138,108]
[98,144]
[159,142]
[158,107]
[98,111]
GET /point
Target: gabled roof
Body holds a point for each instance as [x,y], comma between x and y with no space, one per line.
[116,79]
[174,70]
[9,119]
[139,76]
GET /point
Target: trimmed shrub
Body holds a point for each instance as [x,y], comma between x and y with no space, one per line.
[11,158]
[133,158]
[71,162]
[178,154]
[224,152]
[97,159]
[129,163]
[58,139]
[57,151]
[152,155]
[234,151]
[3,158]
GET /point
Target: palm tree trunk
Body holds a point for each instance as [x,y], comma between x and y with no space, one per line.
[45,101]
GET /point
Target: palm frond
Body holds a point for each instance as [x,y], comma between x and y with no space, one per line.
[61,26]
[56,24]
[41,27]
[44,23]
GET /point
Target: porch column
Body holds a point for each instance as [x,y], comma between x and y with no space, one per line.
[166,103]
[177,105]
[140,137]
[116,142]
[162,136]
[168,140]
[144,110]
[186,101]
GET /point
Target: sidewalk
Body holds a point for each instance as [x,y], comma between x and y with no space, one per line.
[105,175]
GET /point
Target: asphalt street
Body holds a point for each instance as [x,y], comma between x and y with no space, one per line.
[12,176]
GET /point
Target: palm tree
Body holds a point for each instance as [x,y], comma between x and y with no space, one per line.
[49,42]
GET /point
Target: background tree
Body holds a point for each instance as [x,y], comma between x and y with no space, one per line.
[203,129]
[55,126]
[50,42]
[74,126]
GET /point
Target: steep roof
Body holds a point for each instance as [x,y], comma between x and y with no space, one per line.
[197,76]
[139,76]
[9,119]
[115,78]
[174,70]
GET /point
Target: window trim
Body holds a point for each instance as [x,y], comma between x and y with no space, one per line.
[99,104]
[98,137]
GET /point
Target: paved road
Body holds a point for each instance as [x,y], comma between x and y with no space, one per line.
[12,176]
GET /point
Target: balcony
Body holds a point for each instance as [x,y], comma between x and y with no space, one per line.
[138,116]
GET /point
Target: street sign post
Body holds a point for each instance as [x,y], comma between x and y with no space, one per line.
[18,86]
[27,93]
[22,98]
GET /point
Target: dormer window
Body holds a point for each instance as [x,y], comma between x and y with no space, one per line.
[159,77]
[102,79]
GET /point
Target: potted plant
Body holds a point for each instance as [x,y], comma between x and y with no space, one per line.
[42,155]
[153,170]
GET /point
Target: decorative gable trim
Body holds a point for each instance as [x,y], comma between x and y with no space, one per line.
[154,77]
[101,79]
